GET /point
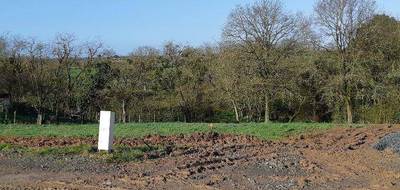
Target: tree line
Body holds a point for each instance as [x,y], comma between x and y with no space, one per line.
[341,65]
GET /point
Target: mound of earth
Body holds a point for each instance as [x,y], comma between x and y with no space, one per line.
[196,138]
[341,158]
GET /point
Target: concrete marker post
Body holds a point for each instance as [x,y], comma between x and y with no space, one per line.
[107,120]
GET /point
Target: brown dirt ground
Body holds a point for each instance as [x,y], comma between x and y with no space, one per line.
[340,158]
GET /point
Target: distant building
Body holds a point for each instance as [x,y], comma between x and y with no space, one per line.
[5,102]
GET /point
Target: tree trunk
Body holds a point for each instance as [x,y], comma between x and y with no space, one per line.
[236,111]
[123,112]
[266,119]
[39,119]
[98,117]
[15,117]
[56,114]
[299,109]
[82,118]
[349,111]
[314,111]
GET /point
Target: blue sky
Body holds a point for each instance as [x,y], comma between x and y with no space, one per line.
[126,24]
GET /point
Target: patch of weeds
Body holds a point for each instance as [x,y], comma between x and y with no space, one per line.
[62,151]
[5,146]
[357,126]
[290,130]
[128,154]
[120,154]
[10,148]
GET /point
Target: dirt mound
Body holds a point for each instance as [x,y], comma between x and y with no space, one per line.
[193,139]
[47,141]
[343,158]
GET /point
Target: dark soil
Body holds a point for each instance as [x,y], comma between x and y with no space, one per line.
[342,158]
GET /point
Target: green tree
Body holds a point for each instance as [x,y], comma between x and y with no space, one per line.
[340,21]
[378,51]
[267,34]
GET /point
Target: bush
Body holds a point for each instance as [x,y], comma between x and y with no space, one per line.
[397,118]
[223,117]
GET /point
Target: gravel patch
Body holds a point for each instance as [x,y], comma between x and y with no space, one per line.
[391,141]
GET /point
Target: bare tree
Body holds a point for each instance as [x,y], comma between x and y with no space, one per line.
[40,76]
[74,60]
[232,75]
[16,51]
[340,21]
[65,52]
[267,33]
[92,49]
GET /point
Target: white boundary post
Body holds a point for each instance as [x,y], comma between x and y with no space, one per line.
[107,120]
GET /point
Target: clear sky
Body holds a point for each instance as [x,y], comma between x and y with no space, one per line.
[126,24]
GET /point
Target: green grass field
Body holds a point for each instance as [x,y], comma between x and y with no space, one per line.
[269,131]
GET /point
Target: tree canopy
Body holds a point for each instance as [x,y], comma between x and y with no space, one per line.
[271,65]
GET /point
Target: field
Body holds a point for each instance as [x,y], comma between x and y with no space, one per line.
[261,130]
[199,156]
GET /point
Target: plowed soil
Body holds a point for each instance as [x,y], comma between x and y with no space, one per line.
[341,158]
